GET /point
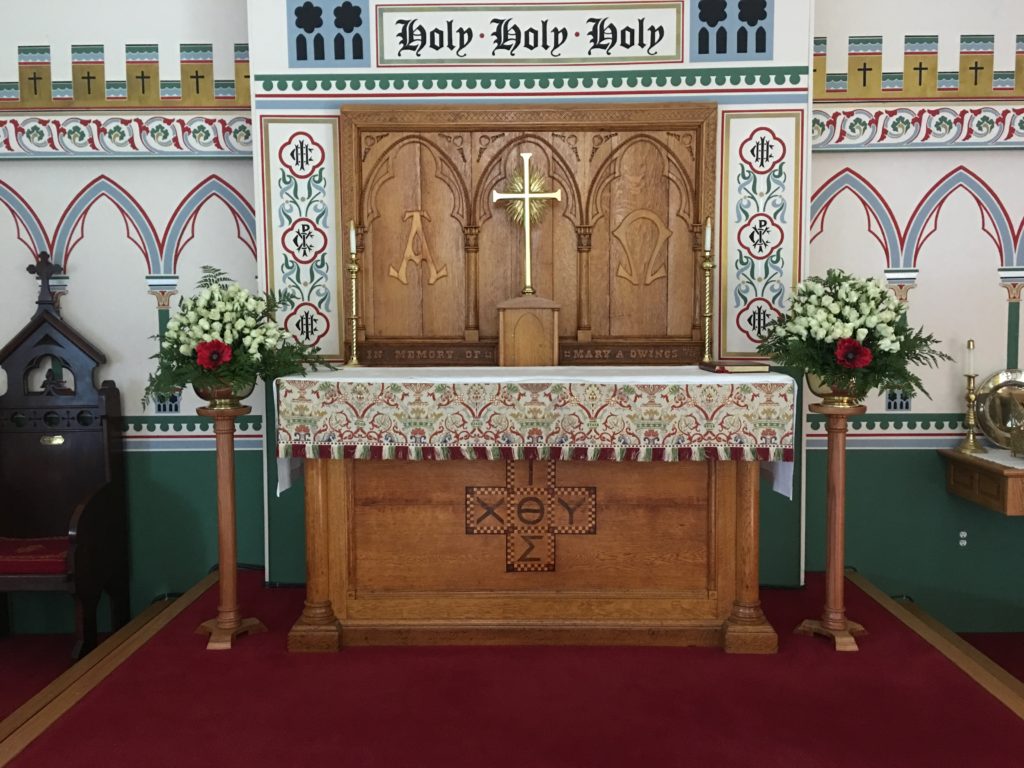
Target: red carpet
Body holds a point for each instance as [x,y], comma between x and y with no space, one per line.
[1004,648]
[896,703]
[29,663]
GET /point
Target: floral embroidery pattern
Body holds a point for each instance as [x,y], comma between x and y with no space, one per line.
[592,421]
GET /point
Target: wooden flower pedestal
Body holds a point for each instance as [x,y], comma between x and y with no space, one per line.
[229,623]
[833,622]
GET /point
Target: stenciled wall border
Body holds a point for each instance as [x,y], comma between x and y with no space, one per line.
[125,136]
[185,433]
[919,79]
[89,89]
[886,431]
[918,127]
[768,79]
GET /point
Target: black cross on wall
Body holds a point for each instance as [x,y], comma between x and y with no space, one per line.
[195,77]
[88,77]
[920,69]
[977,69]
[530,516]
[142,77]
[864,69]
[34,79]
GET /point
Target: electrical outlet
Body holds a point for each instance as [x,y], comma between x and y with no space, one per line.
[963,538]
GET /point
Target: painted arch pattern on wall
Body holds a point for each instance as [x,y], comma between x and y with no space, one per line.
[902,245]
[161,251]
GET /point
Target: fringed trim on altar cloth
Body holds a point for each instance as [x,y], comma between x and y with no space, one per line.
[539,453]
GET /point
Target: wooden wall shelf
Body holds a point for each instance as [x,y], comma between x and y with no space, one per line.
[985,481]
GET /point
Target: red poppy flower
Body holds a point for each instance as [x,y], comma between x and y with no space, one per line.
[212,354]
[850,353]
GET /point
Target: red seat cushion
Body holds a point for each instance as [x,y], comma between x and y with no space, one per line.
[34,556]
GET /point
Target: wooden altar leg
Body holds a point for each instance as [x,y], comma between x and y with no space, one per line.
[229,623]
[317,629]
[833,621]
[747,630]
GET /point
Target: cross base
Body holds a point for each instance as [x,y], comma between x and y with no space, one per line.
[528,331]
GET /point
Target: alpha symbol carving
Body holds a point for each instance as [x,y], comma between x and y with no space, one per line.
[530,516]
[654,270]
[414,255]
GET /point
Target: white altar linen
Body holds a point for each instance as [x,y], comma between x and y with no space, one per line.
[619,413]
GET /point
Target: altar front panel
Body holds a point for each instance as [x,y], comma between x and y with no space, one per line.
[406,567]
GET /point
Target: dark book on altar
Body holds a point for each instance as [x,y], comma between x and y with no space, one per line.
[724,366]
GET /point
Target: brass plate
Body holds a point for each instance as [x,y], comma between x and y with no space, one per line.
[1001,405]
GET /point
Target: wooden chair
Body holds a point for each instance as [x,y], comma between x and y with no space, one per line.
[63,522]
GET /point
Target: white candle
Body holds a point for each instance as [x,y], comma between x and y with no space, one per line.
[352,238]
[707,234]
[970,357]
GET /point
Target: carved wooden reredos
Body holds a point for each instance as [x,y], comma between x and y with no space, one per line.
[620,253]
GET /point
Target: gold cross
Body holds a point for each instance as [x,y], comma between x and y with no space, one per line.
[525,198]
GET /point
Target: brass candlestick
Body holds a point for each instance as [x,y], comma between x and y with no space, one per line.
[353,272]
[970,443]
[707,265]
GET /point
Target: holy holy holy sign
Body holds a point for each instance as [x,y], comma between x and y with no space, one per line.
[527,204]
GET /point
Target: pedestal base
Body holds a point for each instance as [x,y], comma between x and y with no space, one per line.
[844,638]
[221,637]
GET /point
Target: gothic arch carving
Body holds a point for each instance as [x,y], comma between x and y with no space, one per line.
[610,170]
[493,174]
[444,170]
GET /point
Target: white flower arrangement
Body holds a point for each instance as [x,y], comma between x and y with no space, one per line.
[230,315]
[853,334]
[225,336]
[856,309]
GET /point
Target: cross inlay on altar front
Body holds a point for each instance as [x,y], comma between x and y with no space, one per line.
[44,269]
[526,197]
[530,516]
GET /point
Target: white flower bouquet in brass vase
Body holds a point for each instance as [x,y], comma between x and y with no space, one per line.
[850,336]
[221,341]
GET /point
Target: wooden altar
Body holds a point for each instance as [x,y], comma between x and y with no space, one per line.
[534,505]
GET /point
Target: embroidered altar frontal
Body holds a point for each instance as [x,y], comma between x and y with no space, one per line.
[616,414]
[649,535]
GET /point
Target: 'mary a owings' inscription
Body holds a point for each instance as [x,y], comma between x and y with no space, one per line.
[530,516]
[553,32]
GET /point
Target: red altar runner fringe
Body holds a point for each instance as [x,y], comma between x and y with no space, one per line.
[515,453]
[898,702]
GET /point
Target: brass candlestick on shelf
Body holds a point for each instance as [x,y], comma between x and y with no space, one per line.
[353,272]
[707,265]
[970,442]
